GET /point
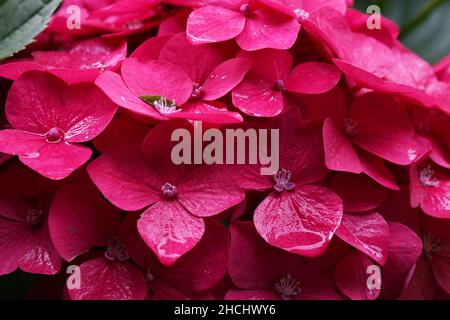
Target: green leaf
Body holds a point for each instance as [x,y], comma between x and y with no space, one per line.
[425,24]
[21,21]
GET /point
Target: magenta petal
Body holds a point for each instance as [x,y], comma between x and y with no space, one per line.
[359,193]
[17,142]
[90,112]
[170,230]
[80,220]
[31,251]
[405,248]
[257,98]
[214,24]
[208,112]
[313,78]
[124,178]
[39,254]
[157,78]
[369,234]
[198,61]
[102,279]
[340,155]
[14,70]
[208,191]
[269,64]
[267,29]
[383,128]
[150,49]
[114,87]
[302,222]
[57,161]
[352,278]
[375,168]
[206,264]
[430,188]
[225,77]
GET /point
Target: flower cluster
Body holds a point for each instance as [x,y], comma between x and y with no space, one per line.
[358,209]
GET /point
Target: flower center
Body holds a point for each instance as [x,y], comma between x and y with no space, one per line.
[428,178]
[54,135]
[33,218]
[282,181]
[245,9]
[169,191]
[196,91]
[279,85]
[116,250]
[430,244]
[287,287]
[301,14]
[350,127]
[165,106]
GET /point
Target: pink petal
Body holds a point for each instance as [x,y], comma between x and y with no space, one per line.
[267,29]
[375,168]
[225,78]
[212,112]
[352,278]
[358,192]
[90,112]
[198,61]
[114,87]
[340,154]
[81,111]
[209,191]
[157,78]
[313,78]
[369,234]
[150,49]
[14,70]
[214,24]
[57,161]
[39,254]
[31,251]
[125,179]
[170,230]
[17,142]
[302,222]
[206,264]
[269,64]
[430,188]
[257,98]
[420,283]
[405,248]
[383,128]
[80,220]
[102,279]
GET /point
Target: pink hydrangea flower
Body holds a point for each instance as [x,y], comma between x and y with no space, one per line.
[24,233]
[206,264]
[384,131]
[50,119]
[81,220]
[176,198]
[81,62]
[297,215]
[184,82]
[255,24]
[261,272]
[272,77]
